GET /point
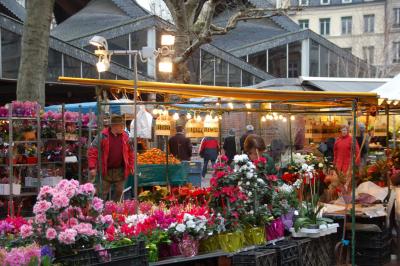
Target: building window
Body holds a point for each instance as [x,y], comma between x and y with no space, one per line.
[347,24]
[369,23]
[348,49]
[396,17]
[303,2]
[346,1]
[324,26]
[325,2]
[368,53]
[304,24]
[396,52]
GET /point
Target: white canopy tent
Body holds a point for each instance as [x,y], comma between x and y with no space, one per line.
[390,90]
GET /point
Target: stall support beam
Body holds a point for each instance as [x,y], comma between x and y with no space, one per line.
[353,184]
[99,127]
[135,144]
[387,126]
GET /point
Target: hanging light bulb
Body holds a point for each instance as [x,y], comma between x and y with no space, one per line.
[220,117]
[248,105]
[198,118]
[165,112]
[175,116]
[208,118]
[276,117]
[188,116]
[292,117]
[263,119]
[155,111]
[280,117]
[230,105]
[284,120]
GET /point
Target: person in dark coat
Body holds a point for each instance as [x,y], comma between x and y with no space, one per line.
[250,130]
[180,146]
[230,145]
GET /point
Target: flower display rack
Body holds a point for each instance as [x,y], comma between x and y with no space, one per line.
[256,257]
[307,252]
[130,255]
[287,251]
[324,249]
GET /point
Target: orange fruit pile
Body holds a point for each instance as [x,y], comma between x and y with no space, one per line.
[156,156]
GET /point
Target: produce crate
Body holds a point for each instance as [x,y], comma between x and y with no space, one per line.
[324,248]
[132,255]
[374,256]
[195,167]
[194,179]
[288,253]
[307,252]
[372,240]
[155,174]
[257,257]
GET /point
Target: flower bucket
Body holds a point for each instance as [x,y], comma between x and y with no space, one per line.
[210,244]
[166,250]
[231,242]
[254,236]
[287,219]
[31,160]
[275,229]
[152,250]
[189,247]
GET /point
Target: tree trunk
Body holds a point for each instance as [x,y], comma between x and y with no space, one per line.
[34,52]
[181,72]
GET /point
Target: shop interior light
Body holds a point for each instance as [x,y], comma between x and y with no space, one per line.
[165,65]
[167,40]
[292,117]
[165,112]
[284,119]
[280,117]
[263,119]
[276,117]
[220,117]
[155,111]
[230,105]
[248,105]
[188,116]
[198,118]
[175,116]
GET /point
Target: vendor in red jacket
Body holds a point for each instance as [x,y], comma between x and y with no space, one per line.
[342,151]
[117,158]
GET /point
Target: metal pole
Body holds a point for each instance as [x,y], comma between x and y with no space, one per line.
[387,126]
[353,185]
[80,146]
[290,138]
[99,129]
[135,76]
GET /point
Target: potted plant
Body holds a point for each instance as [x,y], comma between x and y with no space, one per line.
[31,155]
[189,231]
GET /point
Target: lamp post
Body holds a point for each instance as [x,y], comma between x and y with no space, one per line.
[104,55]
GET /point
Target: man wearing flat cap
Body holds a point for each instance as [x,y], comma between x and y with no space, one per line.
[117,158]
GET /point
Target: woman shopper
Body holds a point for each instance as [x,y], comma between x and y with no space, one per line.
[209,148]
[254,147]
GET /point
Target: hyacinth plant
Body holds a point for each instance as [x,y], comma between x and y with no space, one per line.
[67,218]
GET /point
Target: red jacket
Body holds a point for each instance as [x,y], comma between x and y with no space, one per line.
[342,153]
[105,146]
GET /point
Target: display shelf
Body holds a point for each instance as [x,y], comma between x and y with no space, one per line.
[25,141]
[18,118]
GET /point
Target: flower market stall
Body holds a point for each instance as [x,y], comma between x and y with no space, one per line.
[229,197]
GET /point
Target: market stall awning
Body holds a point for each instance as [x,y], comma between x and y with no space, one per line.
[390,91]
[307,98]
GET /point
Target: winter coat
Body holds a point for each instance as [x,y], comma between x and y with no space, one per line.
[180,146]
[127,150]
[342,153]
